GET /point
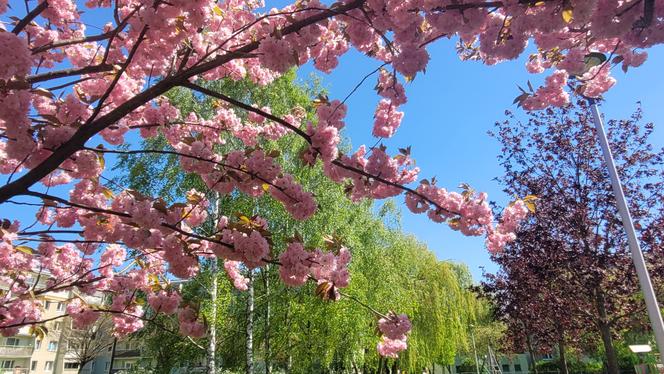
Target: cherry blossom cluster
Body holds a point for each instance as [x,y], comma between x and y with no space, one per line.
[442,205]
[252,172]
[394,330]
[325,137]
[298,265]
[467,212]
[233,271]
[126,315]
[165,302]
[189,323]
[81,314]
[17,313]
[387,118]
[373,173]
[504,232]
[256,126]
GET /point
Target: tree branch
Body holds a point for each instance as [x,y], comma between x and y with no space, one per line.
[81,136]
[30,16]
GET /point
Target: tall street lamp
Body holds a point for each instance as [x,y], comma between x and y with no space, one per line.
[634,246]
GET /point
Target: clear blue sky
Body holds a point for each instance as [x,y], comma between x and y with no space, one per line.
[449,112]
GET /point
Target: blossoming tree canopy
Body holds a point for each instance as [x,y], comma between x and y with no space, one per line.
[61,85]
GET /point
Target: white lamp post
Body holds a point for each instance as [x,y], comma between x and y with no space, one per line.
[634,246]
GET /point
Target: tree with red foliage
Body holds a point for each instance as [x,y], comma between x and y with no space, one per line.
[569,272]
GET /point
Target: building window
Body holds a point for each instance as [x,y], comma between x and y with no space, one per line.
[71,365]
[506,368]
[57,326]
[547,356]
[60,307]
[33,365]
[106,366]
[127,365]
[7,364]
[13,341]
[517,367]
[47,305]
[48,366]
[52,346]
[37,344]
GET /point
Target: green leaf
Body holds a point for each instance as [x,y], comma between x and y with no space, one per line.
[24,249]
[593,59]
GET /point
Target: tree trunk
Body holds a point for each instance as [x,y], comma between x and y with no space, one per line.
[80,366]
[531,354]
[212,342]
[562,362]
[110,366]
[289,358]
[356,370]
[250,324]
[268,353]
[605,332]
[214,290]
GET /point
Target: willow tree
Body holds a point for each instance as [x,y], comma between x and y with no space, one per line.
[296,330]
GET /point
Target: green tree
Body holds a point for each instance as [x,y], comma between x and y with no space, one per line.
[295,330]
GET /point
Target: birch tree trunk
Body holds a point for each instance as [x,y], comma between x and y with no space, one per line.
[212,332]
[250,324]
[212,342]
[268,352]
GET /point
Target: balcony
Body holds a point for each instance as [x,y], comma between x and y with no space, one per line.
[16,350]
[128,353]
[14,371]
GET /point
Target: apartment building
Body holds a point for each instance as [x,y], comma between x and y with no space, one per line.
[25,353]
[128,356]
[16,353]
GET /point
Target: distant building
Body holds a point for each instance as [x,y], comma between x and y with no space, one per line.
[24,353]
[508,364]
[128,356]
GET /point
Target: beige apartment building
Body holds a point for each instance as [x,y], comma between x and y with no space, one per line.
[26,354]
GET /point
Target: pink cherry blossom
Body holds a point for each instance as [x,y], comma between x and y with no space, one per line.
[387,119]
[232,269]
[295,265]
[81,314]
[164,302]
[391,347]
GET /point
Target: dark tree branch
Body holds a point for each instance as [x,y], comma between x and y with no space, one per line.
[81,136]
[29,17]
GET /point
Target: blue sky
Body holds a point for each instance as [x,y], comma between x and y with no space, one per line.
[450,109]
